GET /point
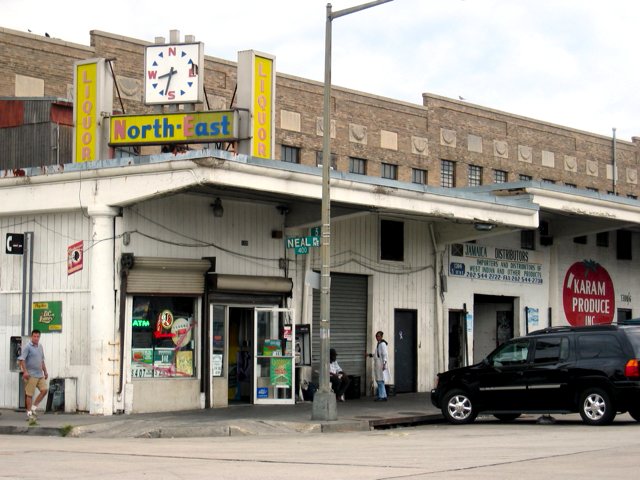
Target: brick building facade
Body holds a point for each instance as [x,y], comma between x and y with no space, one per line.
[438,269]
[442,142]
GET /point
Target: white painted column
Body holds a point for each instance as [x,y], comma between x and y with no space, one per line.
[102,317]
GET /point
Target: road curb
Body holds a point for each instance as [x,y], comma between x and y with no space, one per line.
[346,426]
[31,430]
[406,421]
[238,428]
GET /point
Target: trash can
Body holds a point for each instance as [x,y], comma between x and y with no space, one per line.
[391,390]
[353,390]
[55,400]
[309,392]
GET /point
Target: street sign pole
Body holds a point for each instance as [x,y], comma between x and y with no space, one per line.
[27,282]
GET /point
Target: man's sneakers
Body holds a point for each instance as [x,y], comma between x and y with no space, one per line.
[33,413]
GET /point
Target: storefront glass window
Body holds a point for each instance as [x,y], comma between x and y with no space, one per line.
[163,337]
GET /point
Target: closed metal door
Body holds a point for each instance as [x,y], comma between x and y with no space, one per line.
[405,350]
[348,314]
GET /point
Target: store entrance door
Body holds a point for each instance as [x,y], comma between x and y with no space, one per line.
[457,339]
[274,356]
[493,323]
[240,354]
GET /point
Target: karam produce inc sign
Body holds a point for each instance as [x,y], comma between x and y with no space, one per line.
[587,294]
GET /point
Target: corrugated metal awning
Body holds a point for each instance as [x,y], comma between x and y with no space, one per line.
[251,284]
[167,275]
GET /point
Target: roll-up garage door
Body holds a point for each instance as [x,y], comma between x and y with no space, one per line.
[167,275]
[348,323]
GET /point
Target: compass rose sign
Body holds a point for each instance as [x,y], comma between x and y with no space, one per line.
[173,73]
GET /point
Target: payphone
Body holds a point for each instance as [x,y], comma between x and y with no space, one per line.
[303,345]
[15,350]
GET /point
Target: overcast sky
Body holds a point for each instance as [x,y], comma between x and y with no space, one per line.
[569,62]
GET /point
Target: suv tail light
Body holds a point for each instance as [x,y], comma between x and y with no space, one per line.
[632,368]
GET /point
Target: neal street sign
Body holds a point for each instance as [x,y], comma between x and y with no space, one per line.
[301,244]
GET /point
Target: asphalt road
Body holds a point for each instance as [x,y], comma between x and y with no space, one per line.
[485,450]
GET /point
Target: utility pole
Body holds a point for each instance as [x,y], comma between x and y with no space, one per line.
[324,401]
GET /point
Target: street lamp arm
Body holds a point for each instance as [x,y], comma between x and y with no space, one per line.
[357,8]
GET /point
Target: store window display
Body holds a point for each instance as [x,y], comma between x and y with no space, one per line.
[163,337]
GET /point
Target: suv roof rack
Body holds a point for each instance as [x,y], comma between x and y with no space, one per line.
[551,330]
[629,321]
[570,328]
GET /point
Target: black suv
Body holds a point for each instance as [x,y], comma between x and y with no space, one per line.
[592,370]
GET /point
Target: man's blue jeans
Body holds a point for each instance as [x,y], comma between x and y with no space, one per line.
[382,391]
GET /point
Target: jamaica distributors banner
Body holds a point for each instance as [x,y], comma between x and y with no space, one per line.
[481,262]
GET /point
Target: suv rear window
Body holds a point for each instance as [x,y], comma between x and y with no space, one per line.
[633,334]
[551,350]
[600,345]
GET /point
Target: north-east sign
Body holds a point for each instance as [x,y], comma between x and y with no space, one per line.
[191,127]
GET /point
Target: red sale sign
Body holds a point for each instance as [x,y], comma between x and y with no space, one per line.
[587,294]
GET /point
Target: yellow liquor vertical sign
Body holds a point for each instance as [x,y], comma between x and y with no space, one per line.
[257,93]
[85,113]
[262,107]
[93,95]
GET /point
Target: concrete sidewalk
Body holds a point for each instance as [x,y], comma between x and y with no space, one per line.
[242,419]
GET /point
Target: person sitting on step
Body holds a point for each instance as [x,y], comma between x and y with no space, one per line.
[339,379]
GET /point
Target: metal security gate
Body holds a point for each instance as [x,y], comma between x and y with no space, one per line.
[348,324]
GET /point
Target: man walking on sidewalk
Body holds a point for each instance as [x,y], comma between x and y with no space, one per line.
[34,373]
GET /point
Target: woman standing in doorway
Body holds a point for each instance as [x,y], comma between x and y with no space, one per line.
[381,367]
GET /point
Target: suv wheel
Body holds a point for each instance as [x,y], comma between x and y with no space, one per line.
[458,408]
[596,407]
